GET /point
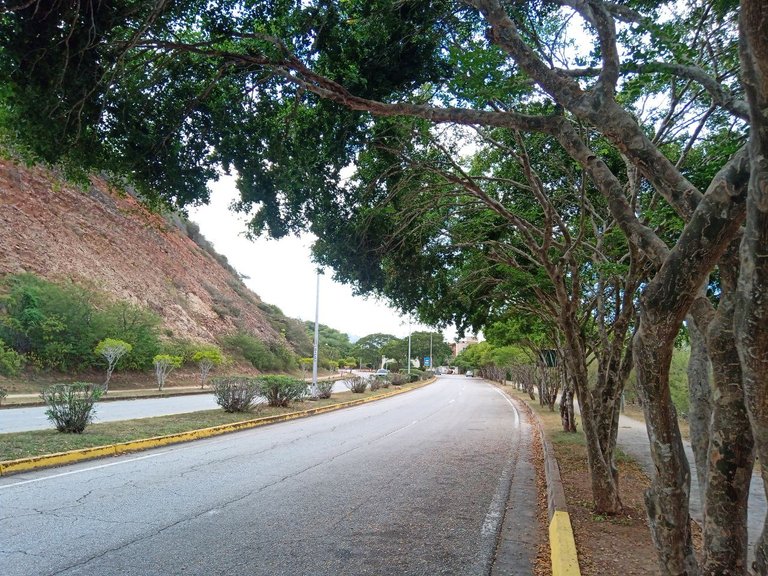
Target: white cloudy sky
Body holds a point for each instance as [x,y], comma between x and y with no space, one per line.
[281,273]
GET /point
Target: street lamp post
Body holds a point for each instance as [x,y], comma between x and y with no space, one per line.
[317,335]
[409,349]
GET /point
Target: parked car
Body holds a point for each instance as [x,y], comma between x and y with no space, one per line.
[469,373]
[382,372]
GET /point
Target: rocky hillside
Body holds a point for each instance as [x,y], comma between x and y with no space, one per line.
[110,241]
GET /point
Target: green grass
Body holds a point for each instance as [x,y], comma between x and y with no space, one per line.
[24,444]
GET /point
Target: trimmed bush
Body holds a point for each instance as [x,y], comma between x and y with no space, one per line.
[281,390]
[356,384]
[375,383]
[398,379]
[416,375]
[324,388]
[235,393]
[70,406]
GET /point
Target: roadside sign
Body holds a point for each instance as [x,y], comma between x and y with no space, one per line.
[427,361]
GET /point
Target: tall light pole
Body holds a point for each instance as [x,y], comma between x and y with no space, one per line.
[409,348]
[431,358]
[317,335]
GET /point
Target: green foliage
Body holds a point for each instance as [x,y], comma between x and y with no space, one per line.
[415,375]
[181,347]
[294,331]
[58,326]
[235,393]
[281,390]
[164,365]
[370,348]
[206,358]
[10,361]
[137,326]
[324,388]
[333,346]
[70,406]
[267,357]
[52,324]
[113,348]
[209,355]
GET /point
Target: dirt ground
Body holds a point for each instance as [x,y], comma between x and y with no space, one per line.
[607,546]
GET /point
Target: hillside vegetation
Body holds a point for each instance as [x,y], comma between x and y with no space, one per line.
[83,263]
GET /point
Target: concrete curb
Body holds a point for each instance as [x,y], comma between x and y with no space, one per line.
[8,467]
[562,544]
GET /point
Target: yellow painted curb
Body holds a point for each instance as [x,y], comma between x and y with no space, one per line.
[562,546]
[61,458]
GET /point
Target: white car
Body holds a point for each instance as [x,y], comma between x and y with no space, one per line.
[382,372]
[469,373]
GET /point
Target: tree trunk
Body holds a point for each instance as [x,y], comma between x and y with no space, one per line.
[752,303]
[600,448]
[699,395]
[567,415]
[603,474]
[667,499]
[730,455]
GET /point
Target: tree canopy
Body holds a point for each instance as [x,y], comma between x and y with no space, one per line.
[590,163]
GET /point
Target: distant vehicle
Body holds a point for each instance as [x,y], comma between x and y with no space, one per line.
[382,372]
[469,373]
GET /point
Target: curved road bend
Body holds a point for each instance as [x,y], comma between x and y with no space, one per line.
[414,484]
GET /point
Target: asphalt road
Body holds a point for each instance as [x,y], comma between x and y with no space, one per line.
[414,484]
[34,418]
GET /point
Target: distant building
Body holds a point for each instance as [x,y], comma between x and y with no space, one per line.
[457,347]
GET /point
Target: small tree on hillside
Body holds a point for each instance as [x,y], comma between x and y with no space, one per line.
[206,359]
[306,365]
[112,350]
[164,365]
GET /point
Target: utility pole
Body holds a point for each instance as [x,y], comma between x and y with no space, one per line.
[409,348]
[317,335]
[431,358]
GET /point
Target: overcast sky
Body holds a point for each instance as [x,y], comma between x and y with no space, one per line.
[281,273]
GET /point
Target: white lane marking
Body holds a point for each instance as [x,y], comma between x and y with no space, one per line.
[90,468]
[452,400]
[514,410]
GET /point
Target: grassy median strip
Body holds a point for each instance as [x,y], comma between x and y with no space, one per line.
[36,443]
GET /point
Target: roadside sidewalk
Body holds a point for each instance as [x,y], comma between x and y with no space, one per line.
[633,439]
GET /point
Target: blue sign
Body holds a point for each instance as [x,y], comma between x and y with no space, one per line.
[427,361]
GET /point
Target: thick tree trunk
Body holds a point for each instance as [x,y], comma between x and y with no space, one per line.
[700,402]
[667,499]
[752,304]
[604,476]
[600,447]
[731,455]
